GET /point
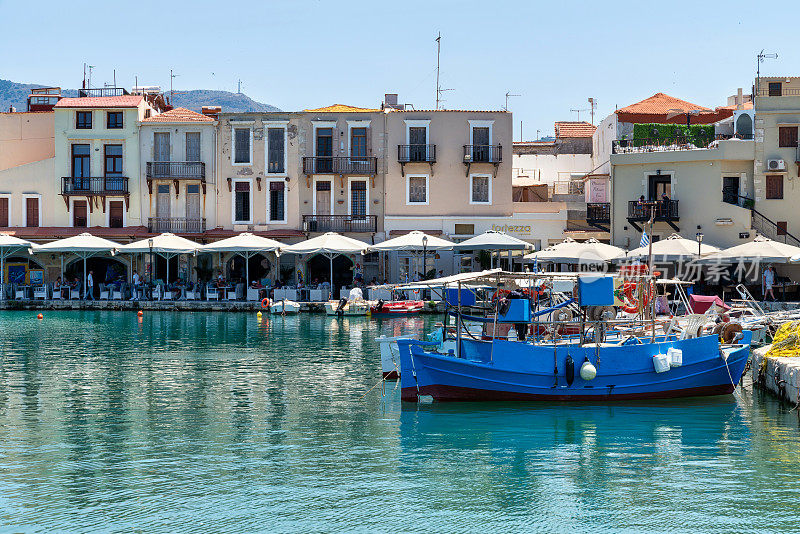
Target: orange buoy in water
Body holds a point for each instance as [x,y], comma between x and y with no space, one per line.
[140,313]
[40,316]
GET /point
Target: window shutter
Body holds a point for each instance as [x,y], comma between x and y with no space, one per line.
[4,212]
[369,140]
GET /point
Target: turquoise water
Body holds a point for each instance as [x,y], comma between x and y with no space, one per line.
[215,422]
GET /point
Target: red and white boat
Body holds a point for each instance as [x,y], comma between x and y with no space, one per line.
[398,307]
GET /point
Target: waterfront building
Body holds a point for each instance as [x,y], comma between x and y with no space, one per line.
[178,171]
[559,172]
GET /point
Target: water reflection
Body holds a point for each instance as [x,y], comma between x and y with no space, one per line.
[108,422]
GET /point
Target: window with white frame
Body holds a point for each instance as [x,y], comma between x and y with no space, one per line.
[242,137]
[480,189]
[417,189]
[242,202]
[33,204]
[276,201]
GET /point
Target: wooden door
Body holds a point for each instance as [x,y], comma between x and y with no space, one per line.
[193,202]
[115,214]
[32,212]
[323,199]
[79,214]
[4,211]
[162,202]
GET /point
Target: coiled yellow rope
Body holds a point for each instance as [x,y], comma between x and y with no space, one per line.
[785,342]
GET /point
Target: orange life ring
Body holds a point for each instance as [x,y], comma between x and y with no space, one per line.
[628,289]
[265,303]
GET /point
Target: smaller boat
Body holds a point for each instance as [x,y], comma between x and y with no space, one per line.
[346,307]
[284,307]
[399,307]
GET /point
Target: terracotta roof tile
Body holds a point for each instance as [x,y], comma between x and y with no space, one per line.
[123,101]
[660,103]
[341,108]
[179,115]
[574,129]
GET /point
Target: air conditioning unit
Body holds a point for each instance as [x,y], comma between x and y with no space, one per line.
[776,164]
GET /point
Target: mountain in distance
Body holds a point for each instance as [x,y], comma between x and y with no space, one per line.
[16,94]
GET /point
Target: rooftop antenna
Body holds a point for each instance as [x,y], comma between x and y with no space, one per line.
[115,77]
[508,94]
[91,68]
[171,77]
[439,89]
[83,85]
[578,111]
[592,107]
[760,59]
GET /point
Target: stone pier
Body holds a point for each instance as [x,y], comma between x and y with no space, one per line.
[781,376]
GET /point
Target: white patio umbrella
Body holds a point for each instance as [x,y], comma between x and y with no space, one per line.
[674,248]
[330,245]
[84,246]
[412,241]
[166,245]
[761,249]
[245,245]
[494,240]
[570,251]
[9,245]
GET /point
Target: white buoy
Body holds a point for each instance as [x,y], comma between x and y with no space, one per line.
[588,371]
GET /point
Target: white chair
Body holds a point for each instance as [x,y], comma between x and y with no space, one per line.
[230,293]
[212,293]
[252,294]
[105,292]
[19,293]
[192,294]
[158,292]
[291,294]
[279,294]
[56,294]
[75,293]
[116,294]
[40,292]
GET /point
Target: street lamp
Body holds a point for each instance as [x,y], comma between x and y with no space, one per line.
[424,257]
[699,236]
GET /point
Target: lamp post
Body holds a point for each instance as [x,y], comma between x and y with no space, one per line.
[424,257]
[152,265]
[699,242]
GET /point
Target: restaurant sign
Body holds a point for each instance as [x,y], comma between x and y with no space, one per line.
[523,229]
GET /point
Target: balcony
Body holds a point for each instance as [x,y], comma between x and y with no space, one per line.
[340,223]
[363,165]
[415,154]
[176,225]
[176,170]
[483,154]
[102,91]
[663,211]
[598,213]
[670,144]
[94,186]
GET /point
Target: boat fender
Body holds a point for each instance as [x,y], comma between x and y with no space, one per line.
[342,304]
[588,371]
[265,303]
[379,306]
[503,306]
[512,334]
[569,370]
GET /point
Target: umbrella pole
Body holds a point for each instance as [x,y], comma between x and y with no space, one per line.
[2,276]
[331,260]
[85,279]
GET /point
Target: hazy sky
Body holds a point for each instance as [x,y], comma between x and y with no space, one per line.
[300,54]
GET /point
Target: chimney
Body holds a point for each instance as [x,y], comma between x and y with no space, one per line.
[739,98]
[211,111]
[390,102]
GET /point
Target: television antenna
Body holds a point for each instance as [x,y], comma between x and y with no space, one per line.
[91,68]
[439,89]
[508,94]
[760,59]
[171,91]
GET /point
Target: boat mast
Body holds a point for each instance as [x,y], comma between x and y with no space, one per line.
[651,273]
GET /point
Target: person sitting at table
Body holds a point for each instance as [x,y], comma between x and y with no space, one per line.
[57,284]
[220,279]
[255,284]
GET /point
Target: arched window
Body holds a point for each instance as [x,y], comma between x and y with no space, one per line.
[744,126]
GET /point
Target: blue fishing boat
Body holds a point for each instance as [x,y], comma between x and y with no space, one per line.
[608,360]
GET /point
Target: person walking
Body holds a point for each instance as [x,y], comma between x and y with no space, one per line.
[136,285]
[767,283]
[89,295]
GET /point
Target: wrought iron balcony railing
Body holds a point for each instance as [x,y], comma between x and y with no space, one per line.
[416,153]
[99,185]
[366,165]
[598,212]
[176,170]
[340,223]
[664,210]
[176,225]
[483,153]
